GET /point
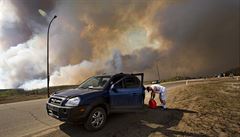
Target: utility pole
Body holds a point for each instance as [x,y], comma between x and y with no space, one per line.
[48,77]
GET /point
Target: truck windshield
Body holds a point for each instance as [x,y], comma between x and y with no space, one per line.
[97,82]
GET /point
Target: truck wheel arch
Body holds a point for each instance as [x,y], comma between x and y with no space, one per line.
[99,103]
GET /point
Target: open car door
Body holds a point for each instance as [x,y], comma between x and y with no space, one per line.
[141,88]
[127,94]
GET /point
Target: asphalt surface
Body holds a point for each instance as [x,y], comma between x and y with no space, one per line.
[24,118]
[30,117]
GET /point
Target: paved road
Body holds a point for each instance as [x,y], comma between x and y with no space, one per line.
[24,118]
[29,117]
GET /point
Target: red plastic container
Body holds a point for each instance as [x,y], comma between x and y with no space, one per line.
[152,104]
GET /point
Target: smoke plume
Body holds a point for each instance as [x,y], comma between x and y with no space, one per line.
[189,37]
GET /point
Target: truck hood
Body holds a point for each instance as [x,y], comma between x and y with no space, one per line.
[75,92]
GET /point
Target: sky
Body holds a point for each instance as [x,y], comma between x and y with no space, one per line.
[183,37]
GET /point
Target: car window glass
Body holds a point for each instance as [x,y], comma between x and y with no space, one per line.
[131,82]
[103,81]
[92,82]
[119,85]
[95,82]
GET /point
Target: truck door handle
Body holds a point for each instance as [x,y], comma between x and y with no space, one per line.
[134,93]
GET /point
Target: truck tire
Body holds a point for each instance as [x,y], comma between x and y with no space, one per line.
[96,119]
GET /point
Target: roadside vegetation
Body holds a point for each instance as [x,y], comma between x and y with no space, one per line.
[217,105]
[15,95]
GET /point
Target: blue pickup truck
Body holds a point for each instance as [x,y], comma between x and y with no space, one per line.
[97,97]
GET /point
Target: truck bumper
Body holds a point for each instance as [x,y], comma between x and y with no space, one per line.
[67,114]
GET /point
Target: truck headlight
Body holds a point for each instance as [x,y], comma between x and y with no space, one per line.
[72,102]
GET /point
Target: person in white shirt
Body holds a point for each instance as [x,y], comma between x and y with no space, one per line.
[161,90]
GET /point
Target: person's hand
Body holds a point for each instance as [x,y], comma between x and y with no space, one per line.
[152,95]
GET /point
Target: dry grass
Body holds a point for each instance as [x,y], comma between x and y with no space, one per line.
[217,105]
[16,95]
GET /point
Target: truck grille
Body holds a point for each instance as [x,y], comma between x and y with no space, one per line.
[56,100]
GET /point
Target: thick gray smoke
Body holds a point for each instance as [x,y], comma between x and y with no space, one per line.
[190,37]
[204,35]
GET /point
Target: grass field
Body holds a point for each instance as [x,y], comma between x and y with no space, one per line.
[217,107]
[15,95]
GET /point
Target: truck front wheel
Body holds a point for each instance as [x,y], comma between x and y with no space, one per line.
[96,119]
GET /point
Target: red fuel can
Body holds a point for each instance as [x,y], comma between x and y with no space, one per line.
[152,104]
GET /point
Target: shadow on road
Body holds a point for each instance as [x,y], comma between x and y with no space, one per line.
[141,124]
